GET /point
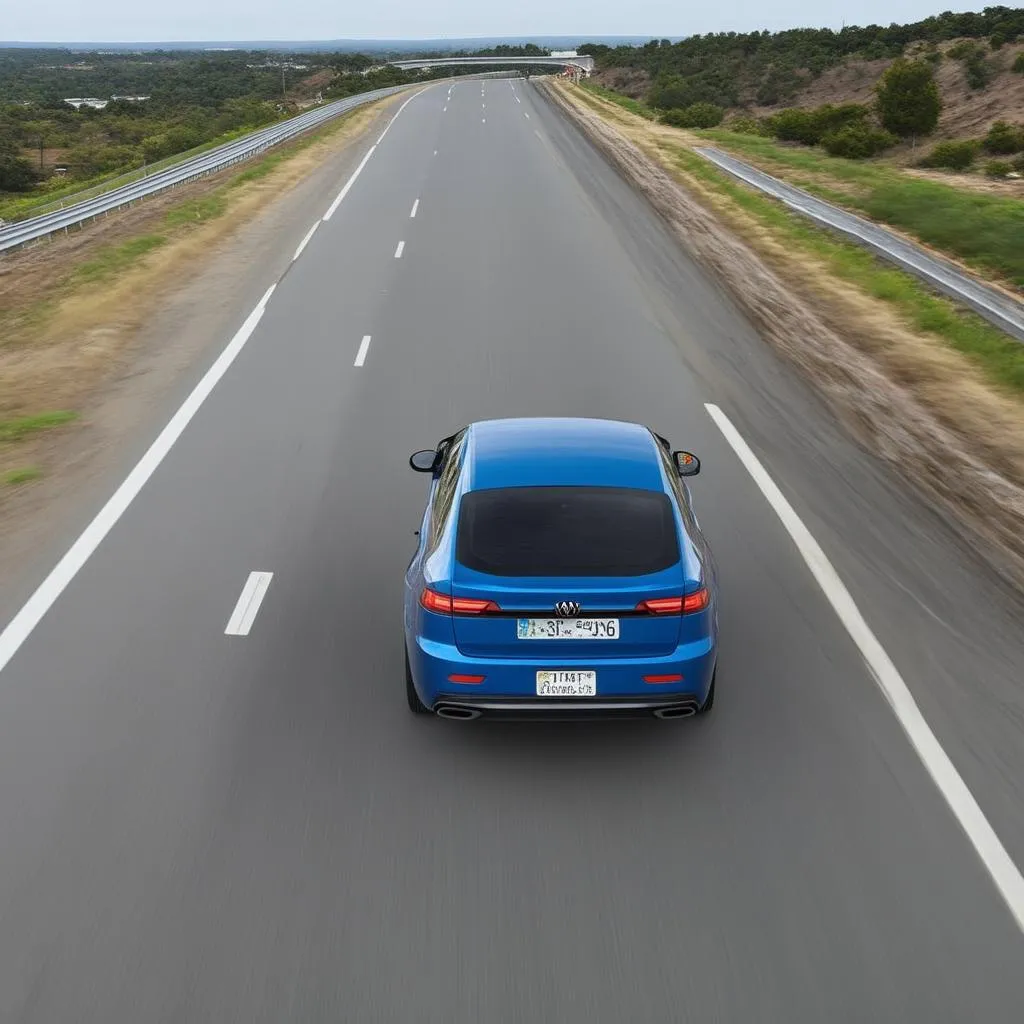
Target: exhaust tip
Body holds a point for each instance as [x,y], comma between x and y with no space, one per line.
[682,712]
[459,714]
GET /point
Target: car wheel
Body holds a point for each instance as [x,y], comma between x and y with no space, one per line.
[416,706]
[710,702]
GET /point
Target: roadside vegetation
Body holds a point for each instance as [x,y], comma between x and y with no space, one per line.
[826,149]
[171,104]
[738,69]
[67,316]
[993,227]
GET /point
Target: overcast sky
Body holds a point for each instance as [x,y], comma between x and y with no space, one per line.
[144,20]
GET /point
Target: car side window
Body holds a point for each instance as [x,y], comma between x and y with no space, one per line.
[444,495]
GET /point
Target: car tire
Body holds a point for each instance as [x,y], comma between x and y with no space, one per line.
[416,706]
[709,703]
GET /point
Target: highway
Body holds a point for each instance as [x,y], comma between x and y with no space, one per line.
[205,826]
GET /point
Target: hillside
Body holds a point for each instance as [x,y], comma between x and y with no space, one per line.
[760,72]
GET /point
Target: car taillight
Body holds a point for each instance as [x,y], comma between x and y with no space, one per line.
[684,605]
[443,604]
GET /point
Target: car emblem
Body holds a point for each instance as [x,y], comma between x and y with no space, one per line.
[567,608]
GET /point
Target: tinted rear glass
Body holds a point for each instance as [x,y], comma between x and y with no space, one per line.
[566,531]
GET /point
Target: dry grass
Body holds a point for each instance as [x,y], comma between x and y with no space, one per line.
[924,407]
[68,323]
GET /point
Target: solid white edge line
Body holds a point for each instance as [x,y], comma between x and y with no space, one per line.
[399,250]
[348,184]
[387,127]
[305,241]
[415,207]
[364,347]
[28,617]
[1001,868]
[248,605]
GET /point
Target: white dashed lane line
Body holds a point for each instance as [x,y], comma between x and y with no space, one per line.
[248,605]
[305,241]
[399,250]
[364,347]
[415,207]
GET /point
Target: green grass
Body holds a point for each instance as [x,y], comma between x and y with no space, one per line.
[633,106]
[24,426]
[15,477]
[196,211]
[999,356]
[110,260]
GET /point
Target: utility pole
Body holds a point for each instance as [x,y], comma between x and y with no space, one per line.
[40,154]
[284,91]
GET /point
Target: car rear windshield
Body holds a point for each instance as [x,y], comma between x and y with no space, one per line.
[566,531]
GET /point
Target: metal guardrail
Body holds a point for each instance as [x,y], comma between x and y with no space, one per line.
[21,232]
[995,306]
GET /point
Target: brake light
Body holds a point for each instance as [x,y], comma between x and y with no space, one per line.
[443,604]
[662,606]
[685,605]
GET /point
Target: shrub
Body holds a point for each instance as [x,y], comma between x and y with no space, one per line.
[998,168]
[746,126]
[670,92]
[810,126]
[857,141]
[978,70]
[1018,63]
[1018,162]
[997,40]
[795,125]
[961,50]
[697,115]
[954,156]
[1004,138]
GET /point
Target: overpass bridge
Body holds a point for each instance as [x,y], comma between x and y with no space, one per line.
[583,62]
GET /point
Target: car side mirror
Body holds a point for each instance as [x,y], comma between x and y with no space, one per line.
[687,464]
[425,461]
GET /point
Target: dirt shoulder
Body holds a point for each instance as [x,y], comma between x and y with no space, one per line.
[103,330]
[922,406]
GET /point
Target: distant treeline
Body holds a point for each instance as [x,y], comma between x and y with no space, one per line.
[193,99]
[732,68]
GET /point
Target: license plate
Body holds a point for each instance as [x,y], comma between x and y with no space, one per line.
[567,629]
[566,684]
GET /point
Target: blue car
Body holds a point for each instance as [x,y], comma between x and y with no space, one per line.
[561,573]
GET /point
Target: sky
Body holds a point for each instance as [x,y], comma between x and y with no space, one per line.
[182,20]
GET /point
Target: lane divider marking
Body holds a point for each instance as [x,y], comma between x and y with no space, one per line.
[399,250]
[359,170]
[305,241]
[1001,868]
[20,627]
[415,207]
[348,184]
[364,347]
[248,605]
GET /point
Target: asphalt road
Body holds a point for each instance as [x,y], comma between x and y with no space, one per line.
[213,828]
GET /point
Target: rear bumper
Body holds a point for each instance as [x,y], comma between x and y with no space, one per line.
[509,686]
[562,710]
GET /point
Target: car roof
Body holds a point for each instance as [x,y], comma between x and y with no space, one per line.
[565,451]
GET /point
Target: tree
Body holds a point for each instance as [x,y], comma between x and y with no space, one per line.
[16,173]
[908,99]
